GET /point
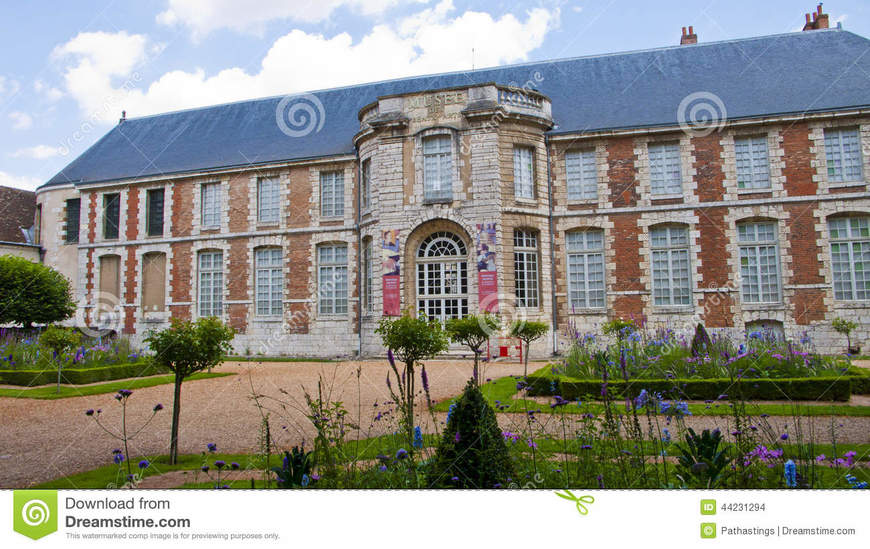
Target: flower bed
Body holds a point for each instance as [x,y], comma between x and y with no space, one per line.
[28,353]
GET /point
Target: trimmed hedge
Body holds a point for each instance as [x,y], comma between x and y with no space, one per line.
[820,388]
[74,376]
[860,380]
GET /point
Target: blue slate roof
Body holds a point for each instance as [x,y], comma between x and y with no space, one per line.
[822,70]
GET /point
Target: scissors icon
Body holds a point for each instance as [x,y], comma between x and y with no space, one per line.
[579,501]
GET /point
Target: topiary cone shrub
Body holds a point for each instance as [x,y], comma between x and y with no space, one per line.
[472,452]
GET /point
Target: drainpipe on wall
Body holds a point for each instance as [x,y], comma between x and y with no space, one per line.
[359,251]
[552,245]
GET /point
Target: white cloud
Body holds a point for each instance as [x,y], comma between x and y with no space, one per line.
[204,16]
[19,181]
[39,152]
[20,120]
[50,93]
[99,73]
[8,86]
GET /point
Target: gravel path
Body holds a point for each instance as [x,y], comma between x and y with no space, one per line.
[46,439]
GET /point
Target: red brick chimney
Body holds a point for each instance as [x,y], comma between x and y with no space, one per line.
[819,20]
[691,37]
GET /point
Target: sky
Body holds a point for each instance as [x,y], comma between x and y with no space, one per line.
[69,69]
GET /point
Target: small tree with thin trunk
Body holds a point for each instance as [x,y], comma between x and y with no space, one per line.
[59,340]
[186,348]
[528,331]
[845,327]
[473,331]
[411,340]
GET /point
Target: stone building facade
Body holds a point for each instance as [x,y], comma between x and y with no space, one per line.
[453,199]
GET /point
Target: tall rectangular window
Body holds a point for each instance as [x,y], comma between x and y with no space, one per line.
[211,284]
[526,267]
[269,281]
[850,257]
[331,194]
[437,168]
[368,277]
[843,155]
[670,266]
[154,212]
[524,172]
[211,205]
[759,262]
[582,175]
[753,166]
[664,169]
[154,282]
[585,269]
[73,219]
[366,184]
[268,200]
[332,279]
[111,215]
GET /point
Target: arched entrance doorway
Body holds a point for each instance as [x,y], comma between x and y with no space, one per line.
[442,276]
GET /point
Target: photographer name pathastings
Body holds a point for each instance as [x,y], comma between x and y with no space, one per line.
[786,530]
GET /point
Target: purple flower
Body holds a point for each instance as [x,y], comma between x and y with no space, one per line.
[89,413]
[315,476]
[454,479]
[144,464]
[532,444]
[586,447]
[125,392]
[425,378]
[784,436]
[158,407]
[382,468]
[118,458]
[401,453]
[456,437]
[204,468]
[220,464]
[212,447]
[235,466]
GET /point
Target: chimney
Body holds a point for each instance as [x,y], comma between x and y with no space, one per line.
[123,117]
[690,37]
[819,20]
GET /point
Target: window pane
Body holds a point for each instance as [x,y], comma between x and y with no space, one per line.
[752,163]
[759,262]
[437,168]
[211,205]
[111,215]
[154,209]
[585,269]
[332,279]
[268,200]
[843,155]
[664,165]
[671,275]
[331,194]
[73,220]
[850,258]
[269,282]
[581,175]
[523,172]
[211,284]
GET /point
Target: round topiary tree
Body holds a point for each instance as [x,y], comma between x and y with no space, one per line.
[472,452]
[32,293]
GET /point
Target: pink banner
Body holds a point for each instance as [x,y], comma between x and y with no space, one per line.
[487,276]
[390,254]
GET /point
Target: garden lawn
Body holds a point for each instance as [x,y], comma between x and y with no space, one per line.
[49,392]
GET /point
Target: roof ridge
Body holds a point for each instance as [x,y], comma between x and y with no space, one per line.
[483,69]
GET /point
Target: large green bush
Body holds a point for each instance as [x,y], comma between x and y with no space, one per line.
[32,293]
[472,452]
[822,388]
[79,376]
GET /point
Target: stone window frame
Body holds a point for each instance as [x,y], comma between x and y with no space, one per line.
[142,221]
[319,266]
[583,199]
[276,206]
[586,252]
[688,173]
[67,228]
[141,251]
[670,247]
[750,150]
[365,181]
[280,267]
[204,224]
[516,148]
[101,204]
[775,160]
[336,208]
[825,211]
[521,254]
[444,150]
[776,243]
[456,192]
[817,149]
[199,272]
[840,131]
